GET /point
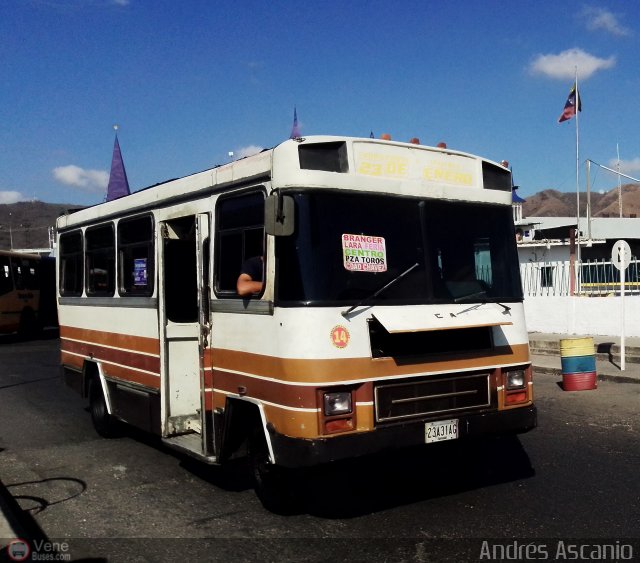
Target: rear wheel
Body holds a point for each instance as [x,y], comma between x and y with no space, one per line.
[105,425]
[274,485]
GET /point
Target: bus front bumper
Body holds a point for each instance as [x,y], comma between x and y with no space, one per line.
[299,452]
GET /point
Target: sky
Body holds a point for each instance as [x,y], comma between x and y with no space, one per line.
[187,82]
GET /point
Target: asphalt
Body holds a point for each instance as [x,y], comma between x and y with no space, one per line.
[545,357]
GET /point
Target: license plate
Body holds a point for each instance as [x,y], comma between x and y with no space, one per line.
[441,430]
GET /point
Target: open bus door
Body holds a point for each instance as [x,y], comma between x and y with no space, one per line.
[184,319]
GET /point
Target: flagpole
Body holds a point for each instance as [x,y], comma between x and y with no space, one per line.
[577,108]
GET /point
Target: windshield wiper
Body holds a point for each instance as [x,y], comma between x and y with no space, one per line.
[383,288]
[484,302]
[470,296]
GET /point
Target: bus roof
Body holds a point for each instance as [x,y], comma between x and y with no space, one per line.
[388,166]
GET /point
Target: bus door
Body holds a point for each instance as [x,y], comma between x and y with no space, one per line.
[184,318]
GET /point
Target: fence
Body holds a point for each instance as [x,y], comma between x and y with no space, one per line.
[595,278]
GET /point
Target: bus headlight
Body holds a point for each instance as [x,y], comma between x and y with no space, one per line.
[515,379]
[337,402]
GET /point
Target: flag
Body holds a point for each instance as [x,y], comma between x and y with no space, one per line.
[295,131]
[570,107]
[118,183]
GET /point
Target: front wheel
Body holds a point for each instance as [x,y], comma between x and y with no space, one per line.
[274,485]
[105,425]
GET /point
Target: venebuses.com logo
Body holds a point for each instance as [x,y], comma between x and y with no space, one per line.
[40,550]
[18,550]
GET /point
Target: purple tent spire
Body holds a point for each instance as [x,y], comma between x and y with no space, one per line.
[515,198]
[295,131]
[118,183]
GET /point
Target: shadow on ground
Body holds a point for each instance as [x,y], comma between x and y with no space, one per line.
[353,488]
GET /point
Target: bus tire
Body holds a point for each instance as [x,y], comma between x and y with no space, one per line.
[273,485]
[104,424]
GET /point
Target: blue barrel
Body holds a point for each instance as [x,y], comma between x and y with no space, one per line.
[578,360]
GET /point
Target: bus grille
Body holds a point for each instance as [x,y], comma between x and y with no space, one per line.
[410,399]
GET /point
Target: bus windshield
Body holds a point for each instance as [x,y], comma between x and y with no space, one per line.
[348,247]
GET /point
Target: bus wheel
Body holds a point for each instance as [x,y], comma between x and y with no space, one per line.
[105,425]
[273,485]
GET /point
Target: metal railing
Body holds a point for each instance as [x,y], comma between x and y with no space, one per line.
[594,278]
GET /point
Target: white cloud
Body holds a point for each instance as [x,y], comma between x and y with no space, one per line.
[92,181]
[249,150]
[563,65]
[602,19]
[10,197]
[630,167]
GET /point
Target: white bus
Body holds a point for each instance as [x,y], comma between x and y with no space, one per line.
[390,313]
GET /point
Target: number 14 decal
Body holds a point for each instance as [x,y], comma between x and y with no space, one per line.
[339,336]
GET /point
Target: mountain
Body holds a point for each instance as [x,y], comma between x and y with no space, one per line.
[27,224]
[552,203]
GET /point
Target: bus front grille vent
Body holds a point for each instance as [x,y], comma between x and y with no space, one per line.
[432,396]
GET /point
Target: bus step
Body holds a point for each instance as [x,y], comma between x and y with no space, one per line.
[190,444]
[184,424]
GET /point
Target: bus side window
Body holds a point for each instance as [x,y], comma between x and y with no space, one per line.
[101,260]
[6,283]
[18,277]
[136,256]
[71,264]
[239,236]
[30,270]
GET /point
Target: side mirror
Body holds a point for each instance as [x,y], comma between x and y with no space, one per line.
[279,215]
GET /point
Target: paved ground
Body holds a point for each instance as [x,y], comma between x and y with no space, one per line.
[546,360]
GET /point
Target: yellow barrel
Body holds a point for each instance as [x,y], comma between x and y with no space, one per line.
[577,347]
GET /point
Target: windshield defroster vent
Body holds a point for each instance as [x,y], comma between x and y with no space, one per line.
[407,344]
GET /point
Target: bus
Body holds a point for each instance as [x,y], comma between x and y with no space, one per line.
[390,313]
[21,279]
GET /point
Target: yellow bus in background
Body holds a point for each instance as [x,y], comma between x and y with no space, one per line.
[20,278]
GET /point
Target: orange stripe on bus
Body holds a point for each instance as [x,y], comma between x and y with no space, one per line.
[115,340]
[115,372]
[123,357]
[125,374]
[294,396]
[335,370]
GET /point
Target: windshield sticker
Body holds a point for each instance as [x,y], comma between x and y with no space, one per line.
[364,253]
[140,272]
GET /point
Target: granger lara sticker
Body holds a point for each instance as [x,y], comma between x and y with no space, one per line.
[363,253]
[339,336]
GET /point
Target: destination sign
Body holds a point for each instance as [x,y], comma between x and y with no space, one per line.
[414,164]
